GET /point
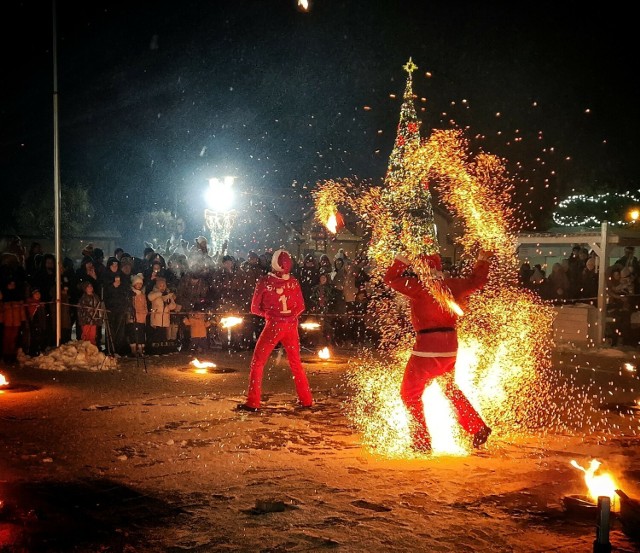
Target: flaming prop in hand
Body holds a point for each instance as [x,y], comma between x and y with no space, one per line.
[504,338]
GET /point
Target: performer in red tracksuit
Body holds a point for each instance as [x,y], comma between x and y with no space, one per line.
[278,298]
[436,346]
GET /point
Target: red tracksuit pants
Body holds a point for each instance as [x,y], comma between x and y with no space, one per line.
[419,373]
[273,333]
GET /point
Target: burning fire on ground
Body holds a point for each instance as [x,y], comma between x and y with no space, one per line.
[202,367]
[324,353]
[598,485]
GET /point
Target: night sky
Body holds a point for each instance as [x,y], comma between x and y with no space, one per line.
[156,97]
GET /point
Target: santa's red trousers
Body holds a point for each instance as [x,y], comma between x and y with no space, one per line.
[419,373]
[273,332]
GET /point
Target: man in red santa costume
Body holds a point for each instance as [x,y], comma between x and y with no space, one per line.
[278,298]
[436,346]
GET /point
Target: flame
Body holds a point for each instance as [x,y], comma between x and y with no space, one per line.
[304,4]
[310,325]
[324,353]
[600,484]
[202,366]
[3,380]
[455,308]
[332,223]
[230,322]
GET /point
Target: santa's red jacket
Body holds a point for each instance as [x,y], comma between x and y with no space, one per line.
[277,298]
[427,313]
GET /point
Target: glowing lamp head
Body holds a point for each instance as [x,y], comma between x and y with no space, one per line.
[219,195]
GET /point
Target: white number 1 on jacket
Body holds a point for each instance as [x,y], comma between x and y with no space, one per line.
[283,300]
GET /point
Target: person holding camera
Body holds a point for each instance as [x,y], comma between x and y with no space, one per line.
[163,303]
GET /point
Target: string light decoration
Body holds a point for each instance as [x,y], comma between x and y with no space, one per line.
[589,211]
[504,335]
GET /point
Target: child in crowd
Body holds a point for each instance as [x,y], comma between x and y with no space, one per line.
[90,313]
[162,305]
[199,323]
[137,326]
[36,339]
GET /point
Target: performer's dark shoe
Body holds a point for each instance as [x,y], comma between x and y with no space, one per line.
[245,407]
[301,407]
[481,436]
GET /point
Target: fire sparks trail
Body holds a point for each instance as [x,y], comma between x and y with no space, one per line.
[505,338]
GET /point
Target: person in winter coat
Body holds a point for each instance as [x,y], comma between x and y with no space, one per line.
[117,299]
[322,301]
[36,339]
[138,312]
[13,286]
[435,351]
[162,305]
[199,323]
[87,273]
[308,275]
[90,314]
[278,299]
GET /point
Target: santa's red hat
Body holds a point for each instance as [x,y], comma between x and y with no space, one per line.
[281,262]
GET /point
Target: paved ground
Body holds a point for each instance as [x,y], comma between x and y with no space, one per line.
[158,460]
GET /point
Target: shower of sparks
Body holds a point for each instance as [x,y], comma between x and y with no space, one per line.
[505,335]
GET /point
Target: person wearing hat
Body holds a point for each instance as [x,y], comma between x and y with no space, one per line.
[163,303]
[35,338]
[126,269]
[278,299]
[436,347]
[138,312]
[91,312]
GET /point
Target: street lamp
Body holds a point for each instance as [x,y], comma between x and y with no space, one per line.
[219,216]
[634,215]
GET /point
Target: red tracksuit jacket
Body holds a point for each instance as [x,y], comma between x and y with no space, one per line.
[277,299]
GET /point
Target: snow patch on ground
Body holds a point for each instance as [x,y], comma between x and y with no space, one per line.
[73,356]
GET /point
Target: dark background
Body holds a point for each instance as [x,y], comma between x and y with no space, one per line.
[156,97]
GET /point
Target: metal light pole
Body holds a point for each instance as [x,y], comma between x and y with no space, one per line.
[56,179]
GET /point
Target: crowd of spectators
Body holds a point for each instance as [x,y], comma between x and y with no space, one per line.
[129,305]
[576,279]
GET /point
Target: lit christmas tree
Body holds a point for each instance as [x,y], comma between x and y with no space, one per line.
[409,225]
